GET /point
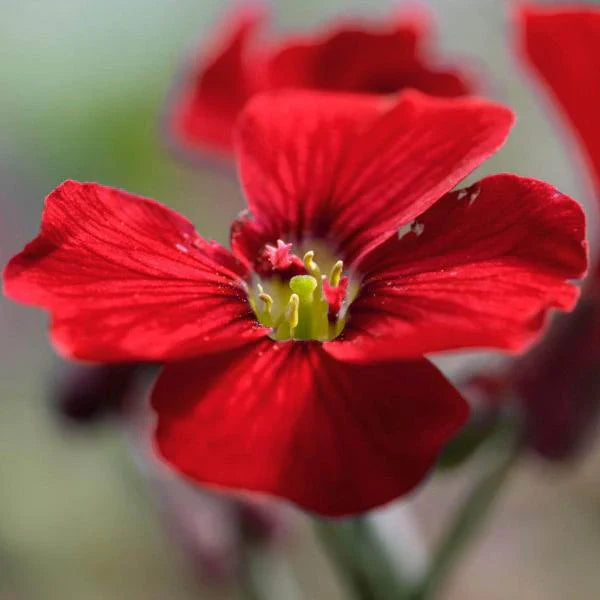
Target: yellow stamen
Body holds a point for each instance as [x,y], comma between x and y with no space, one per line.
[297,308]
[336,273]
[268,302]
[265,315]
[291,312]
[311,266]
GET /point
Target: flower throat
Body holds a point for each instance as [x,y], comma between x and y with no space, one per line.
[295,299]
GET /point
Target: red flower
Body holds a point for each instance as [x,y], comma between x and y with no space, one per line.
[381,58]
[270,391]
[563,46]
[558,382]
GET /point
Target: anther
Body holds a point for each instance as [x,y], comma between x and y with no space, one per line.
[311,266]
[336,273]
[291,311]
[304,305]
[268,302]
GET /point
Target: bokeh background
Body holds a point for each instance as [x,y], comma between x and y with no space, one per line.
[83,85]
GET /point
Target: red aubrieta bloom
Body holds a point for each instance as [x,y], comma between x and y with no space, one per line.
[296,361]
[352,56]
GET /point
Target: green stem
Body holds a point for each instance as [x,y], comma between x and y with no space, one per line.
[248,590]
[266,574]
[248,586]
[360,560]
[471,514]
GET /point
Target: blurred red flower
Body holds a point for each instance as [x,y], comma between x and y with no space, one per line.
[559,381]
[274,384]
[353,56]
[562,43]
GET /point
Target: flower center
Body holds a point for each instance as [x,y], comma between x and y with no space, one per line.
[295,299]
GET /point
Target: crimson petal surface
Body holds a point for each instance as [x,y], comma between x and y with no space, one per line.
[351,169]
[288,420]
[482,267]
[125,278]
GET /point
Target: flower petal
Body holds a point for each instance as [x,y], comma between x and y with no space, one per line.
[215,87]
[563,46]
[288,420]
[558,382]
[376,58]
[128,279]
[290,147]
[352,169]
[480,268]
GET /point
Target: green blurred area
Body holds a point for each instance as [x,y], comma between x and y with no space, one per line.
[83,86]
